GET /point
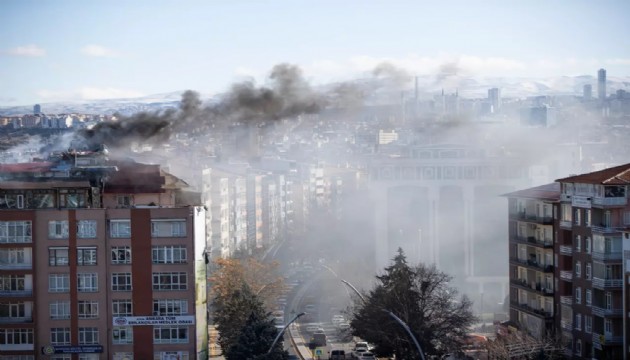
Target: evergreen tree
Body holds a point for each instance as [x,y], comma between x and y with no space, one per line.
[421,297]
[255,339]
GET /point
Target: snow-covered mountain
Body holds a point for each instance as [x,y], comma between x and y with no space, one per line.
[468,87]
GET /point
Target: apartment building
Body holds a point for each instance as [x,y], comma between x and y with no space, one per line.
[531,257]
[99,260]
[588,238]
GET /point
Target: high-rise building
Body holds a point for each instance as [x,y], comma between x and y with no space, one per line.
[37,109]
[494,98]
[567,271]
[601,84]
[588,92]
[99,260]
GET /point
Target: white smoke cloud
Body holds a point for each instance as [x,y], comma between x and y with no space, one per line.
[99,51]
[27,50]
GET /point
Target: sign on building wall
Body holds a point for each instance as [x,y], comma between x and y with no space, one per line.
[153,320]
[581,201]
[69,349]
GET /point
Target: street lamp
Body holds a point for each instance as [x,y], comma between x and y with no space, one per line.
[282,331]
[406,327]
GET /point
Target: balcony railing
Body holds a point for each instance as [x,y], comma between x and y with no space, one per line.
[566,250]
[607,283]
[531,310]
[547,220]
[16,293]
[610,201]
[566,275]
[566,300]
[566,224]
[613,255]
[15,320]
[15,266]
[537,287]
[603,229]
[566,325]
[534,241]
[532,264]
[607,339]
[602,312]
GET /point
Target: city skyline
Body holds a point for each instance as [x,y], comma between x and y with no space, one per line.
[70,50]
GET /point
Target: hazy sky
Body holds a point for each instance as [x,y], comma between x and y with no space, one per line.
[80,50]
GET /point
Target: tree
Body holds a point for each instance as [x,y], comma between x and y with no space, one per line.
[231,274]
[246,329]
[422,298]
[522,346]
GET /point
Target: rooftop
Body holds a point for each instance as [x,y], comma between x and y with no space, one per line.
[618,175]
[548,192]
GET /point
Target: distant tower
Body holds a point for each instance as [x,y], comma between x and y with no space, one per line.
[37,109]
[494,98]
[601,84]
[588,92]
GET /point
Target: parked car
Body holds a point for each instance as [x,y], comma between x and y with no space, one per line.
[338,355]
[367,356]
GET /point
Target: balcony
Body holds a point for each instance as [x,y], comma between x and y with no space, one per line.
[536,287]
[532,240]
[566,275]
[566,224]
[531,264]
[530,310]
[16,320]
[610,201]
[16,293]
[603,229]
[522,216]
[566,250]
[602,312]
[608,339]
[19,266]
[612,255]
[566,300]
[607,283]
[566,325]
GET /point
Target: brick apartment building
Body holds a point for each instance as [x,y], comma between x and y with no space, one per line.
[99,259]
[568,276]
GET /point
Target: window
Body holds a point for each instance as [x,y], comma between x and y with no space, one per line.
[168,228]
[587,217]
[87,282]
[170,334]
[14,256]
[566,212]
[10,310]
[170,281]
[607,326]
[58,283]
[86,229]
[60,336]
[61,357]
[171,355]
[578,269]
[122,335]
[58,229]
[608,297]
[12,283]
[588,324]
[589,271]
[121,255]
[588,297]
[577,217]
[89,357]
[164,307]
[57,256]
[120,228]
[17,357]
[60,310]
[169,254]
[88,336]
[122,308]
[123,356]
[607,218]
[86,256]
[578,322]
[88,309]
[121,282]
[587,245]
[578,347]
[123,201]
[16,336]
[578,243]
[578,295]
[14,232]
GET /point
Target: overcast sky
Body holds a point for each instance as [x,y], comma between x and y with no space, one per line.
[81,50]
